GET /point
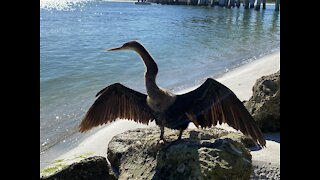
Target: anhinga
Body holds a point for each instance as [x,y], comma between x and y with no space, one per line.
[209,104]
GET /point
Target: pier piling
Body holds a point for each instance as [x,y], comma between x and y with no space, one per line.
[238,3]
[246,4]
[263,4]
[226,2]
[252,4]
[258,5]
[277,5]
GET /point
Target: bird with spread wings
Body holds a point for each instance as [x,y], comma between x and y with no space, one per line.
[206,106]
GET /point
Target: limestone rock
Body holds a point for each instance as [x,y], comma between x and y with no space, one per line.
[95,167]
[264,105]
[201,154]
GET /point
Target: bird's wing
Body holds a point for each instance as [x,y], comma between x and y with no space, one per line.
[117,101]
[213,103]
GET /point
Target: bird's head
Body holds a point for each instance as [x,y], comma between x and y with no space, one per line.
[131,45]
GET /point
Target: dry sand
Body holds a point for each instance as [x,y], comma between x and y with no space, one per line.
[239,80]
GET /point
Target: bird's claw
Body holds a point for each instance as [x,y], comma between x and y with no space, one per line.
[161,141]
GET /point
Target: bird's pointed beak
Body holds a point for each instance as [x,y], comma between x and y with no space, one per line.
[115,49]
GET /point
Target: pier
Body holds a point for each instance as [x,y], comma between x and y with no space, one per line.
[248,4]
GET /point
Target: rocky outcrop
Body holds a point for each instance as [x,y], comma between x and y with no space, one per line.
[139,154]
[96,168]
[264,105]
[201,154]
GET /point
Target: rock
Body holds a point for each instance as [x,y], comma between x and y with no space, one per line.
[95,167]
[200,154]
[264,105]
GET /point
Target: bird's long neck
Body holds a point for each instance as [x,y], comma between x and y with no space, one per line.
[151,73]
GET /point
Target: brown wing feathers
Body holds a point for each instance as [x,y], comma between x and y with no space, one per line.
[214,103]
[117,101]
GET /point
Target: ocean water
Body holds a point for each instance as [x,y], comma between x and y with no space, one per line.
[189,43]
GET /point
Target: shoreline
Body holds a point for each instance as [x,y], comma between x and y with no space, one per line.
[240,80]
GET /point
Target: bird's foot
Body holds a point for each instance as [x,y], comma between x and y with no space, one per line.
[161,141]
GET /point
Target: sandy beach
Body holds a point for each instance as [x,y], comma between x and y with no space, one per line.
[239,80]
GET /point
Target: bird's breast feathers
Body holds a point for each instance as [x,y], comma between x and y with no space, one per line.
[162,103]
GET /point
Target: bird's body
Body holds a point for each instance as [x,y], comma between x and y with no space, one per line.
[209,104]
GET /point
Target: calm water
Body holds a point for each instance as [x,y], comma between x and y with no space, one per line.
[189,44]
